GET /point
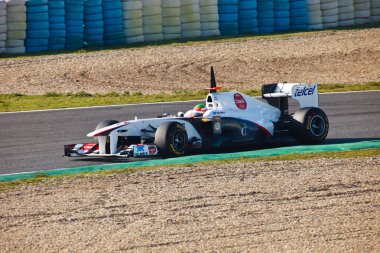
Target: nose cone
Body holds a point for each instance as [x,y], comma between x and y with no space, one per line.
[106,130]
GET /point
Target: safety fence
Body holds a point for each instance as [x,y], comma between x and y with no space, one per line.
[42,25]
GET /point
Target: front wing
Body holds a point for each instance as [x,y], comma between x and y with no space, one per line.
[92,149]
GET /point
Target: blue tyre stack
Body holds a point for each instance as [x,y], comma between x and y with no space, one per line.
[281,15]
[265,16]
[248,17]
[298,15]
[57,26]
[228,17]
[113,22]
[93,23]
[37,30]
[3,26]
[74,24]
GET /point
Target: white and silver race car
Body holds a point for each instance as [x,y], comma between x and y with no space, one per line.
[228,119]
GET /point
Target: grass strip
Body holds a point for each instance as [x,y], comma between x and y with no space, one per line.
[21,102]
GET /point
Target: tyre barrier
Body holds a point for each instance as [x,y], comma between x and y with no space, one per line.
[362,11]
[281,15]
[3,26]
[228,17]
[346,12]
[93,23]
[314,14]
[152,20]
[171,19]
[375,11]
[265,16]
[37,28]
[329,13]
[248,17]
[298,15]
[57,25]
[40,25]
[74,13]
[16,26]
[133,21]
[113,22]
[190,19]
[209,17]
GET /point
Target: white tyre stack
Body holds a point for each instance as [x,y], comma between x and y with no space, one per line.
[152,20]
[346,12]
[209,17]
[3,26]
[16,26]
[133,21]
[314,14]
[375,11]
[362,11]
[171,19]
[329,13]
[190,19]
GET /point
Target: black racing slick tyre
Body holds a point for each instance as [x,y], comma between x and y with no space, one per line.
[310,125]
[171,139]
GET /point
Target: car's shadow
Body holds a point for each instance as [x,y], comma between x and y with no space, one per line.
[286,142]
[277,143]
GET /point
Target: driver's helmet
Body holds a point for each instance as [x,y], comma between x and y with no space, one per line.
[199,110]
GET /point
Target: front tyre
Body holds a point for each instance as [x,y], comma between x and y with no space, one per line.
[310,125]
[171,139]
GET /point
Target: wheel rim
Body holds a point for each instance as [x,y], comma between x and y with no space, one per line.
[317,125]
[179,140]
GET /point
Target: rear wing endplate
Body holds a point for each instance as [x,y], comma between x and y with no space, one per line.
[305,94]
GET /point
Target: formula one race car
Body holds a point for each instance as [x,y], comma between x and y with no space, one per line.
[227,119]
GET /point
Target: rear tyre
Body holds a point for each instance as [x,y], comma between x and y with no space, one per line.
[310,126]
[171,139]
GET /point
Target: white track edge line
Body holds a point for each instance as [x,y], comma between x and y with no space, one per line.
[160,103]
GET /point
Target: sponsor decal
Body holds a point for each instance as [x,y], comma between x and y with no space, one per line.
[152,150]
[144,150]
[173,149]
[300,92]
[244,130]
[240,101]
[141,150]
[88,146]
[217,126]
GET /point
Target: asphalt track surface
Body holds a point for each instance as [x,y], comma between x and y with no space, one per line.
[33,141]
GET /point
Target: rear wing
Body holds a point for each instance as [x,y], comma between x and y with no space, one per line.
[305,94]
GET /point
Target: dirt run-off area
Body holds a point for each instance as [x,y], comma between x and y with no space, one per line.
[345,56]
[322,205]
